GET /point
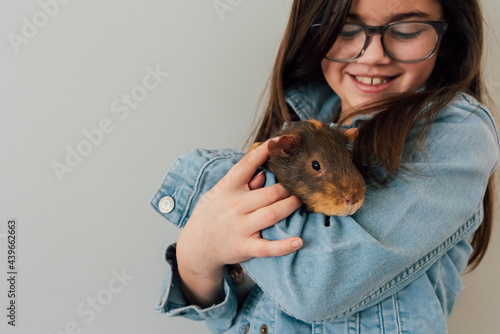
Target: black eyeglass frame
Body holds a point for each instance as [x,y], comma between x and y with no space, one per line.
[439,27]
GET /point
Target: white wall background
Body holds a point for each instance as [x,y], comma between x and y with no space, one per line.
[68,68]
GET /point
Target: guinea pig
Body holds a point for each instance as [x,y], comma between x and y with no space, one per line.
[312,161]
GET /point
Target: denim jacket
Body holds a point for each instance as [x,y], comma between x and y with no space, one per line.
[393,267]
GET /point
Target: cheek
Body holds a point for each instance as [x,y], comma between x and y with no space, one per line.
[333,73]
[416,74]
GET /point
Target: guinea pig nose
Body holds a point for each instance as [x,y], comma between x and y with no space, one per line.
[350,200]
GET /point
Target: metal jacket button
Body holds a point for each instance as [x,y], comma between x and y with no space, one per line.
[166,204]
[264,329]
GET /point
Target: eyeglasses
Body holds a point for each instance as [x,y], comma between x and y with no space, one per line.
[405,42]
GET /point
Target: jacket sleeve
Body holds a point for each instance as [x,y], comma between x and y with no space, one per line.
[399,232]
[191,175]
[173,303]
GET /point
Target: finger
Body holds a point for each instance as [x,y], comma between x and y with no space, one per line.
[267,248]
[253,146]
[257,181]
[244,170]
[271,214]
[264,197]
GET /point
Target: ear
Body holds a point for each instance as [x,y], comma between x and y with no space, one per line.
[351,134]
[284,146]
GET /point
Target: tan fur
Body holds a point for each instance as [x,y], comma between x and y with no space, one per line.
[312,161]
[254,146]
[316,123]
[351,134]
[333,206]
[326,205]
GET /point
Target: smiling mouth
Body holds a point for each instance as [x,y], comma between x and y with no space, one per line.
[373,80]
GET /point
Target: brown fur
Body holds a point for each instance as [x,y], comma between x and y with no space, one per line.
[337,188]
[299,60]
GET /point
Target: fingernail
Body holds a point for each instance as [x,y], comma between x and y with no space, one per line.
[297,243]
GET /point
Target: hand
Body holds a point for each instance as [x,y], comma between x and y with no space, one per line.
[225,226]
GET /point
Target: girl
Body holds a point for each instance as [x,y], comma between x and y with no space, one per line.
[407,74]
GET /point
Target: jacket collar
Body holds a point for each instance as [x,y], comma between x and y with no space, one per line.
[316,100]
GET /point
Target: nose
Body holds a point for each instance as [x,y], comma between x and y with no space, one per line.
[351,200]
[374,52]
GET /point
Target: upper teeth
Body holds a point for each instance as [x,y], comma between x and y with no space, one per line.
[371,81]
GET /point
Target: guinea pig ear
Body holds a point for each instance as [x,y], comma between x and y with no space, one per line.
[351,134]
[284,146]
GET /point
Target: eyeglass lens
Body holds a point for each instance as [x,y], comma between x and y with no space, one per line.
[404,41]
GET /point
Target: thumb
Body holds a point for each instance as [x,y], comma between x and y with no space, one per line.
[267,248]
[257,181]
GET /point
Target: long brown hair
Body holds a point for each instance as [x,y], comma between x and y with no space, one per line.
[457,69]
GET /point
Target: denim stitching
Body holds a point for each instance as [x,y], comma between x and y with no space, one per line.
[403,276]
[381,318]
[197,183]
[438,276]
[317,328]
[246,308]
[410,271]
[300,106]
[353,324]
[397,315]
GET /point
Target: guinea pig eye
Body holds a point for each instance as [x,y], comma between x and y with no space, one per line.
[316,166]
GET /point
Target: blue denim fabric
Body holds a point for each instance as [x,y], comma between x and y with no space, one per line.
[392,267]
